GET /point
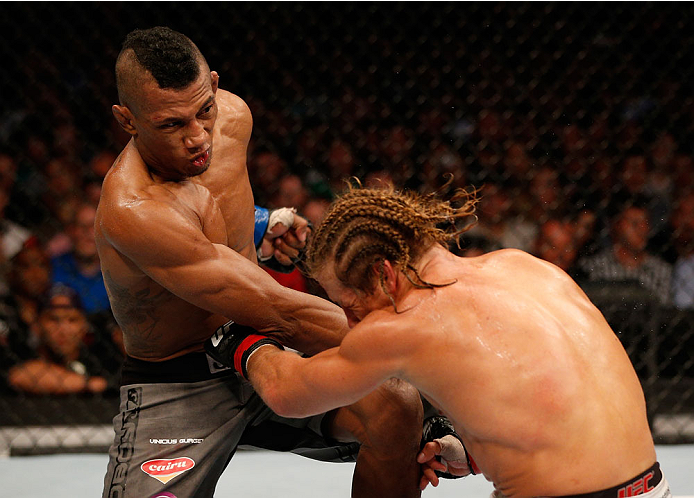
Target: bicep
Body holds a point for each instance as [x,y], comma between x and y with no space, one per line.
[174,252]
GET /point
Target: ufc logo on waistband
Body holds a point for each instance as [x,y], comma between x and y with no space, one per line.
[637,487]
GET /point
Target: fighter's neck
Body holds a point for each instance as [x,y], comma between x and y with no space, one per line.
[426,272]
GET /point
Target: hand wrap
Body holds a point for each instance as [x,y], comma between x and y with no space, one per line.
[453,453]
[265,221]
[232,345]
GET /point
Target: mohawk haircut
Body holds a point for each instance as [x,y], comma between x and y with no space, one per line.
[171,57]
[364,227]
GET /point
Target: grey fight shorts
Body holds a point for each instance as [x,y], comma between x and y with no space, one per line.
[182,420]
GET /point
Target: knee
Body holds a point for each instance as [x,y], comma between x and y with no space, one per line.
[392,416]
[402,402]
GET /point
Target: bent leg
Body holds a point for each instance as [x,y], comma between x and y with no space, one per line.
[388,424]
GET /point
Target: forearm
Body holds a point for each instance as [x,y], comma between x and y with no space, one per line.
[40,379]
[230,285]
[298,320]
[290,385]
[295,386]
[308,323]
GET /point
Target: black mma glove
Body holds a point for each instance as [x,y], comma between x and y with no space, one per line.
[439,428]
[233,344]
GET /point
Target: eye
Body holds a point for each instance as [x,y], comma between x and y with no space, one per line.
[206,110]
[169,126]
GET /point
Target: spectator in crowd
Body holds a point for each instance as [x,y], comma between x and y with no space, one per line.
[290,192]
[547,197]
[12,235]
[442,162]
[556,243]
[683,272]
[63,181]
[80,268]
[585,225]
[683,172]
[397,153]
[341,165]
[499,224]
[62,365]
[30,181]
[59,241]
[101,162]
[638,179]
[517,163]
[265,169]
[29,278]
[627,261]
[315,209]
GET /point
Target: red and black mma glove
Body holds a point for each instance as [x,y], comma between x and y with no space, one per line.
[233,344]
[438,428]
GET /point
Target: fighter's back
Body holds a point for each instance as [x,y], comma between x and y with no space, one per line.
[518,333]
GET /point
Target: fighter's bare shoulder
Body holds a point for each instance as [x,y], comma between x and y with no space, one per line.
[382,336]
[515,258]
[234,117]
[132,210]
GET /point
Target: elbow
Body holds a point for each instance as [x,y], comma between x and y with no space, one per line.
[279,402]
[283,403]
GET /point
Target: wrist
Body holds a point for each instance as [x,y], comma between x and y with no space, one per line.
[248,347]
[255,359]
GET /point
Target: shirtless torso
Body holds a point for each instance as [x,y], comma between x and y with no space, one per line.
[527,373]
[171,251]
[175,233]
[513,353]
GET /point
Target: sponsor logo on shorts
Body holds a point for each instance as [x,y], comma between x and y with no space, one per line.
[165,494]
[126,444]
[186,440]
[215,366]
[165,469]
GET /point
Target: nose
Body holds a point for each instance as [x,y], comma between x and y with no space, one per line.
[196,137]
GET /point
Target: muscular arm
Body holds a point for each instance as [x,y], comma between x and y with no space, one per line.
[169,246]
[40,377]
[293,386]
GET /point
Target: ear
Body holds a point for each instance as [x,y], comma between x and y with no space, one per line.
[215,81]
[125,118]
[385,270]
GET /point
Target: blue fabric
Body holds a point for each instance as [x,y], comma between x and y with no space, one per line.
[262,218]
[91,290]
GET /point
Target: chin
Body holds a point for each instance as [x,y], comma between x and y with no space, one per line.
[202,169]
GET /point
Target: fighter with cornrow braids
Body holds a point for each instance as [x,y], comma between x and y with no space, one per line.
[401,225]
[533,380]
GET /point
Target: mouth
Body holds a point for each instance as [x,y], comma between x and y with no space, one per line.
[202,159]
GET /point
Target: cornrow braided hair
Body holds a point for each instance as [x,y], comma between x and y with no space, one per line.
[366,226]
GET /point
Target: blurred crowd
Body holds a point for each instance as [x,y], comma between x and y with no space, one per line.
[620,221]
[580,148]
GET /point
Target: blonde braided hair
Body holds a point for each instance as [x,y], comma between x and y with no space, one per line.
[364,227]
